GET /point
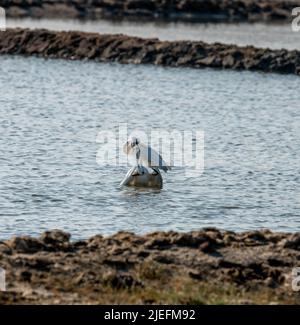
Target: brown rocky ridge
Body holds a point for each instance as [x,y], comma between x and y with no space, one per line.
[208,266]
[125,49]
[184,10]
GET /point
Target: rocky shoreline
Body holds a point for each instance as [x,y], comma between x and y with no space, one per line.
[166,10]
[132,50]
[208,266]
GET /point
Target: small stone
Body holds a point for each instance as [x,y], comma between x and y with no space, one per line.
[55,237]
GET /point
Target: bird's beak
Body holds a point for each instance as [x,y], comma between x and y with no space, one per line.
[126,148]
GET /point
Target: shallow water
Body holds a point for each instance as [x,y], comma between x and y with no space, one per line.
[52,111]
[275,36]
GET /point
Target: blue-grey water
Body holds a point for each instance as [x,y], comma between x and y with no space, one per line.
[52,111]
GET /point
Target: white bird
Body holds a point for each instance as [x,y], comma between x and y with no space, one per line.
[145,155]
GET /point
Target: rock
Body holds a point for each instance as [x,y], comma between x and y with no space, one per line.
[254,238]
[277,262]
[228,61]
[119,263]
[207,61]
[25,245]
[55,237]
[121,280]
[140,176]
[163,259]
[5,248]
[196,275]
[159,243]
[25,276]
[56,240]
[95,242]
[207,247]
[293,242]
[185,10]
[125,49]
[188,240]
[50,268]
[16,12]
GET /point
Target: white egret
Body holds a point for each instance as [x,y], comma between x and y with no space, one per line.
[145,155]
[146,172]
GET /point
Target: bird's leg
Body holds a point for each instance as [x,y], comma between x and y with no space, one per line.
[155,171]
[138,170]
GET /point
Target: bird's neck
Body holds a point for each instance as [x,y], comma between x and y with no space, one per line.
[138,152]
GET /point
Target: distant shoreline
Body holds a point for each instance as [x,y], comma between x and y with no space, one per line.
[132,50]
[208,266]
[187,10]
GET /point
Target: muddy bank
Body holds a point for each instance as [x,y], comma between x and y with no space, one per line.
[205,266]
[126,49]
[167,10]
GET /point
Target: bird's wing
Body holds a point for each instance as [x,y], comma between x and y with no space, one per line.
[152,158]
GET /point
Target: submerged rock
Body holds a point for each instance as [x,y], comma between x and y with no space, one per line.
[142,177]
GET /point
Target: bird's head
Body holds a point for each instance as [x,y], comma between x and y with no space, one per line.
[131,143]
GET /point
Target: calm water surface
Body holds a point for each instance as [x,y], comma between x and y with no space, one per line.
[274,36]
[52,111]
